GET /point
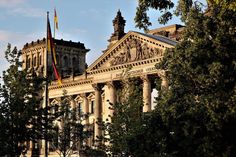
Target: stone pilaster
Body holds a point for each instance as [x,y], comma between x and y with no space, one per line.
[85,106]
[98,109]
[147,91]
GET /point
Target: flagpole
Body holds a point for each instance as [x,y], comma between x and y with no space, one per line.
[46,92]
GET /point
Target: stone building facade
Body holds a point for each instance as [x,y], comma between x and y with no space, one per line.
[91,87]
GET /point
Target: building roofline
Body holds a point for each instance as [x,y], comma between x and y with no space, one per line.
[164,28]
[60,42]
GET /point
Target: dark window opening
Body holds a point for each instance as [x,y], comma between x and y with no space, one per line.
[34,62]
[80,108]
[92,107]
[40,60]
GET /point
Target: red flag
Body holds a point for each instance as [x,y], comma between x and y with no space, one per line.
[51,49]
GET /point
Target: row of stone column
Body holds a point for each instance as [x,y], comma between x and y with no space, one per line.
[147,94]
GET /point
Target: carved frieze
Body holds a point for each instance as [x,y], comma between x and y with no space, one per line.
[134,50]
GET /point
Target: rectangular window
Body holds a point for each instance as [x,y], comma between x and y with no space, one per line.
[34,61]
[80,108]
[92,107]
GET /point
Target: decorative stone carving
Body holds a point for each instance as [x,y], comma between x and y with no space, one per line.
[134,50]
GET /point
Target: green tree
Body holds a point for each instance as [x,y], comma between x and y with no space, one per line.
[68,134]
[228,4]
[19,106]
[142,20]
[167,9]
[196,115]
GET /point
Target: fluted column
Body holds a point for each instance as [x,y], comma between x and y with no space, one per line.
[147,91]
[98,109]
[112,95]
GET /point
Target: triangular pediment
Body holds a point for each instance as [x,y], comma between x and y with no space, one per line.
[79,98]
[55,102]
[134,46]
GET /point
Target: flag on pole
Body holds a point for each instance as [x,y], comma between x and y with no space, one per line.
[51,49]
[55,18]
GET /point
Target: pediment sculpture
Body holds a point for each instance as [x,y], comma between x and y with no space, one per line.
[135,50]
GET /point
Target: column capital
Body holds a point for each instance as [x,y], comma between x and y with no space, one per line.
[110,84]
[161,74]
[145,78]
[97,87]
[83,95]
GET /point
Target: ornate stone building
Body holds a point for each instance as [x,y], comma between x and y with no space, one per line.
[91,87]
[70,57]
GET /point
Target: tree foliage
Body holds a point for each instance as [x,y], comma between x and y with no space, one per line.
[19,106]
[142,19]
[199,108]
[167,9]
[228,4]
[196,116]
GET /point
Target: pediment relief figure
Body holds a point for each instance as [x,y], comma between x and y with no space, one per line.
[135,50]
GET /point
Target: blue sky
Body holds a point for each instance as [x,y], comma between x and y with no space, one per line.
[87,21]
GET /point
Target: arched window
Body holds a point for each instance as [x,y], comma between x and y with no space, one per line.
[65,61]
[57,58]
[28,63]
[74,61]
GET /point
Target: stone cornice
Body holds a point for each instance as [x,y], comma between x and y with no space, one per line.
[34,49]
[71,84]
[127,65]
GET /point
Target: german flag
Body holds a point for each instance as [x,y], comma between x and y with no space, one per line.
[55,19]
[51,49]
